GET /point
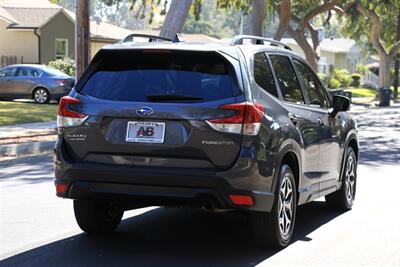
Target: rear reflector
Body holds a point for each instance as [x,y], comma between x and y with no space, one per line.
[61,189]
[247,120]
[66,117]
[241,200]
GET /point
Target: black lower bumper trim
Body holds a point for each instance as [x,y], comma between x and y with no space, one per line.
[148,195]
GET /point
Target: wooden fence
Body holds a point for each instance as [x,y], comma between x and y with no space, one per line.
[10,60]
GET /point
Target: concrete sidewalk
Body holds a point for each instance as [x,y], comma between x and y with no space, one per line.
[365,103]
[26,139]
[27,129]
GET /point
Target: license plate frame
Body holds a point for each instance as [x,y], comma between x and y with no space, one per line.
[133,134]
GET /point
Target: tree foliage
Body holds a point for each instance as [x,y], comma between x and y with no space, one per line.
[358,27]
[374,20]
[213,21]
[142,8]
[65,65]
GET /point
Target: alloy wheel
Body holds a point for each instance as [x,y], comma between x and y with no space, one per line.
[285,206]
[41,96]
[350,179]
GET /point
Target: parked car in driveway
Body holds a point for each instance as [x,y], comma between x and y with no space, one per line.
[38,82]
[223,127]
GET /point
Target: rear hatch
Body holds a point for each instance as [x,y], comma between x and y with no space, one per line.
[150,108]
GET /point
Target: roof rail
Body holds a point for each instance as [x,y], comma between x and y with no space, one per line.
[152,38]
[238,40]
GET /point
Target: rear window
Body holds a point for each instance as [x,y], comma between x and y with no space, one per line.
[54,72]
[134,76]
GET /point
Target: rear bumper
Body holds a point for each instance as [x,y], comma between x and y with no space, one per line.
[143,186]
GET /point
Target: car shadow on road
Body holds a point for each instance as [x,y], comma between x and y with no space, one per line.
[171,237]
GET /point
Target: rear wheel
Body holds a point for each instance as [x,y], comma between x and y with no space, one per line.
[276,227]
[95,217]
[343,199]
[41,95]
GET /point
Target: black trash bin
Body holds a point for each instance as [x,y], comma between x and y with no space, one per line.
[334,92]
[385,95]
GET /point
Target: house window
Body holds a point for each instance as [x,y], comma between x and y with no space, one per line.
[322,65]
[61,48]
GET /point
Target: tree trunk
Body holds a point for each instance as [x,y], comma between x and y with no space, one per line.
[309,52]
[311,57]
[257,17]
[397,63]
[384,70]
[175,18]
[284,18]
[396,79]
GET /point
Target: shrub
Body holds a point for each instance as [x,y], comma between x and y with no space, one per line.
[324,78]
[342,76]
[356,80]
[346,81]
[361,69]
[65,65]
[334,84]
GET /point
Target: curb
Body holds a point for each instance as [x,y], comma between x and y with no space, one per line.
[23,149]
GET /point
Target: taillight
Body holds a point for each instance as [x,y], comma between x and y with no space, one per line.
[62,82]
[66,117]
[247,120]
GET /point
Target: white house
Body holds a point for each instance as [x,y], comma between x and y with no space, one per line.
[334,53]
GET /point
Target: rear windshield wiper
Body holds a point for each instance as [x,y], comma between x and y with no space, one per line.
[172,97]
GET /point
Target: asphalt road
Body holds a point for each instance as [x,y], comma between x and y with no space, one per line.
[38,229]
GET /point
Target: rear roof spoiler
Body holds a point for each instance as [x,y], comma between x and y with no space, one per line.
[151,38]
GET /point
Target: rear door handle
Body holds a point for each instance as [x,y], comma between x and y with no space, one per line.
[320,122]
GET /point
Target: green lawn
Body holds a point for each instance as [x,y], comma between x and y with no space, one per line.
[362,92]
[14,113]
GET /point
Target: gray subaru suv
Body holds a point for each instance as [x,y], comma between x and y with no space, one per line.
[243,127]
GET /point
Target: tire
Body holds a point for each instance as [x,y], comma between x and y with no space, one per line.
[96,217]
[41,95]
[266,226]
[343,199]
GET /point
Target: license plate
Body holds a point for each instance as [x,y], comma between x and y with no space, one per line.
[145,132]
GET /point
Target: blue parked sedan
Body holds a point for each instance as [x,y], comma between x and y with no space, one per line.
[38,82]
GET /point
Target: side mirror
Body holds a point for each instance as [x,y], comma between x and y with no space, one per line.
[340,103]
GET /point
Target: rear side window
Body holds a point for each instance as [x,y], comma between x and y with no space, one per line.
[28,72]
[136,75]
[290,87]
[263,74]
